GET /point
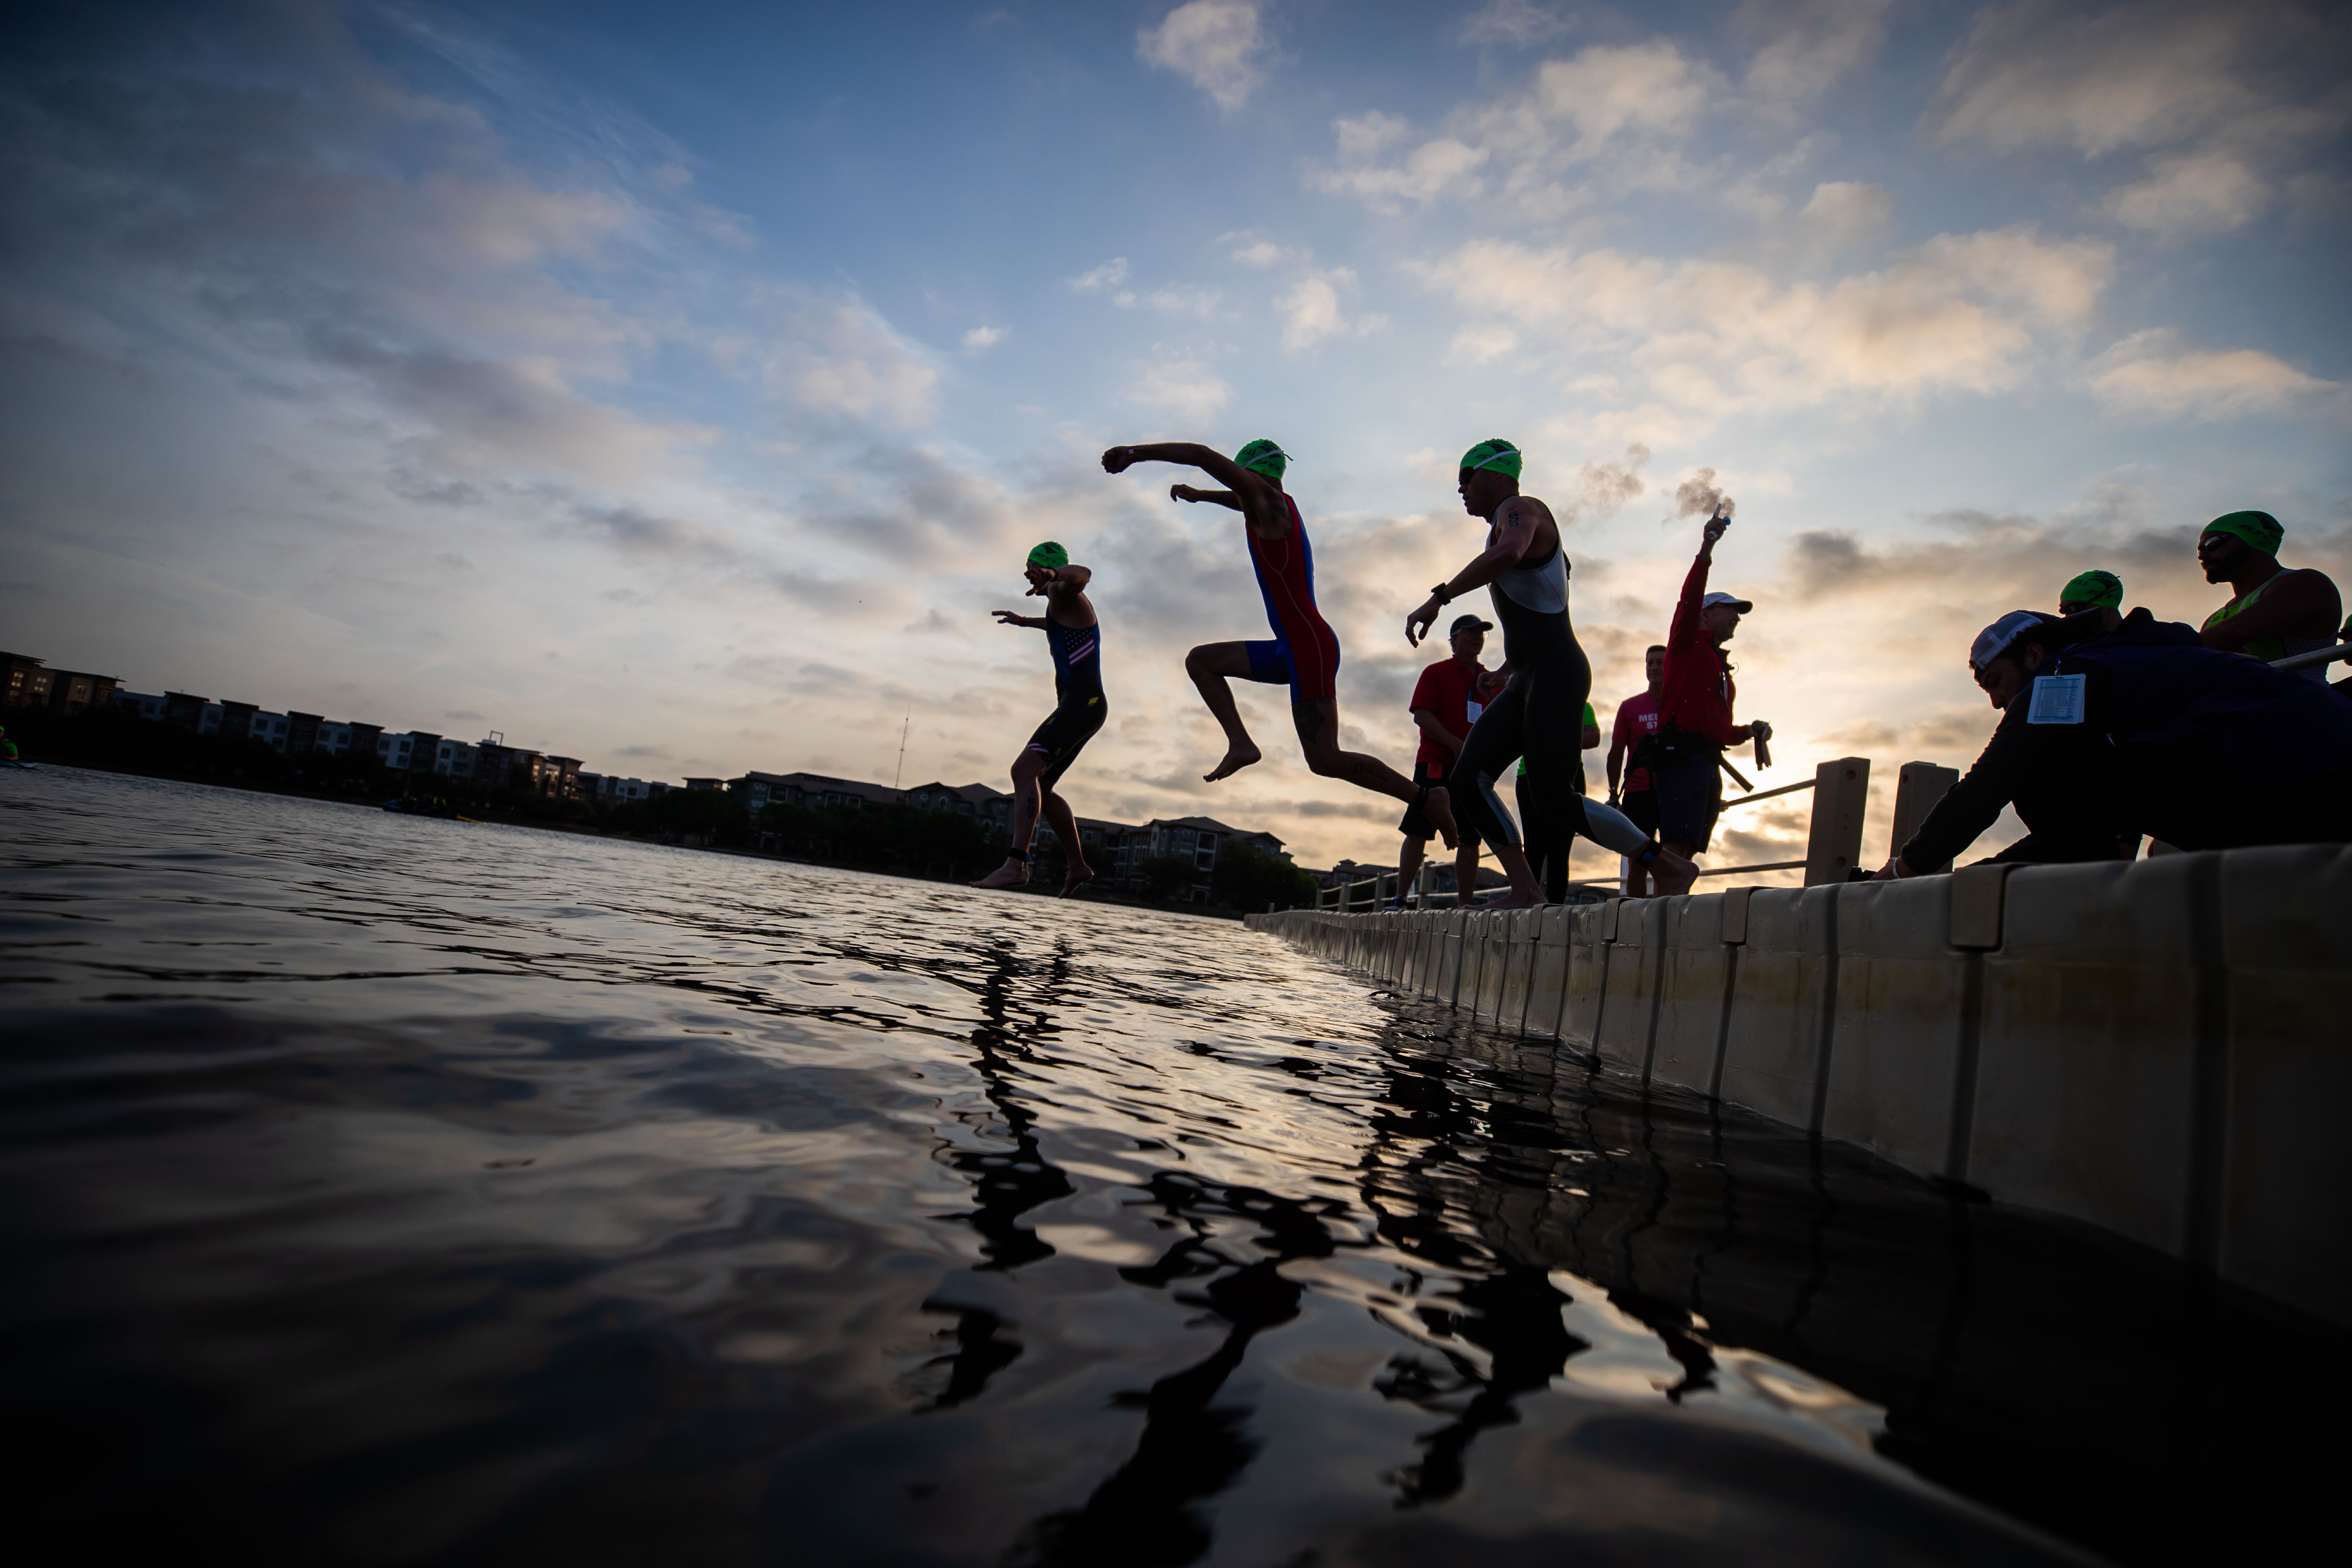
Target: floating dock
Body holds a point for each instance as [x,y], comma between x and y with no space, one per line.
[2159,1048]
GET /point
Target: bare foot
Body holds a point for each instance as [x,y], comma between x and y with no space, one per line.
[1671,873]
[1012,874]
[1078,876]
[1238,758]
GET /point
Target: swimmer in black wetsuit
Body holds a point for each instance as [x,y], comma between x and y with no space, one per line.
[1074,637]
[1540,715]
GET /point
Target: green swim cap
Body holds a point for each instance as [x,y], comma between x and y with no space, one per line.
[1049,555]
[2099,590]
[2259,529]
[1498,453]
[1263,457]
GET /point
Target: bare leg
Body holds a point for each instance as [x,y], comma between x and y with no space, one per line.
[1016,870]
[1075,872]
[1318,721]
[1466,870]
[1409,864]
[1526,893]
[1212,666]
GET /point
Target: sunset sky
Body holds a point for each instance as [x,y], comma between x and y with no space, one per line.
[679,387]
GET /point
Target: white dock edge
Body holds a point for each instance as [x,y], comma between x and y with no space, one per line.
[2159,1048]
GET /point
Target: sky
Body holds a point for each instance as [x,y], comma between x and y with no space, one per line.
[679,388]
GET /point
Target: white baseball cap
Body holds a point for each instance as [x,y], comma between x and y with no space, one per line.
[1994,640]
[1743,605]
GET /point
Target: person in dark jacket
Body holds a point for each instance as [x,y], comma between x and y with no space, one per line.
[2112,727]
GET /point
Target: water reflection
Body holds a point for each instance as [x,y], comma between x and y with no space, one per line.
[509,1197]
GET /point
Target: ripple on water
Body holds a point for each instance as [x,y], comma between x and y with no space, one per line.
[387,1190]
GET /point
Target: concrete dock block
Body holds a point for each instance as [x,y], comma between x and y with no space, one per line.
[1588,973]
[1547,973]
[2286,1186]
[2085,1067]
[1519,965]
[1691,996]
[1772,1050]
[1906,1017]
[1631,992]
[1494,958]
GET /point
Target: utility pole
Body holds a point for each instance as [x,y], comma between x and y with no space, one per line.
[901,772]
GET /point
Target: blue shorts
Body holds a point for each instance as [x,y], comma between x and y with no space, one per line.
[1276,663]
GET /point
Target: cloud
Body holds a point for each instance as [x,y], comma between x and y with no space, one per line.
[1630,101]
[1177,299]
[2202,193]
[981,338]
[1213,43]
[2138,376]
[1968,312]
[841,357]
[1311,312]
[2040,75]
[1515,22]
[2222,96]
[1186,391]
[1101,279]
[1809,46]
[1843,212]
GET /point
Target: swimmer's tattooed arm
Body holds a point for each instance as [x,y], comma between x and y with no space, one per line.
[1517,529]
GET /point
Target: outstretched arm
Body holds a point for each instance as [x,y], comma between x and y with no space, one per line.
[1222,498]
[1259,497]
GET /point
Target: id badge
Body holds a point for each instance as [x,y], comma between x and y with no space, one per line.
[2057,699]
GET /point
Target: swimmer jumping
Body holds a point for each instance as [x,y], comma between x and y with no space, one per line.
[1540,714]
[1304,652]
[1074,638]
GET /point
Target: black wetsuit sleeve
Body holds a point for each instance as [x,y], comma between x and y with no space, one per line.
[2008,764]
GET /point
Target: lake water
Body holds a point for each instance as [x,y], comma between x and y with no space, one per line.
[385,1189]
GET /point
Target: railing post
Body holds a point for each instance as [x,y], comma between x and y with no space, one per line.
[1841,794]
[1917,788]
[1425,884]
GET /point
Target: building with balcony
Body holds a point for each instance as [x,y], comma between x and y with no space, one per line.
[25,682]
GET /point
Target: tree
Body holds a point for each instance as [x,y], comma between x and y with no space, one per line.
[1250,879]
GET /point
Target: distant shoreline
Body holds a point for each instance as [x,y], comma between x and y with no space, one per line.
[581,830]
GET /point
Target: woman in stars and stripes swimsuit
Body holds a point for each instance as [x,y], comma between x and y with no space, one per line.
[1303,653]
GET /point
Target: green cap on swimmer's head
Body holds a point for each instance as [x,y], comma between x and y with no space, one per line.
[1049,555]
[2259,529]
[2093,591]
[1263,457]
[1498,453]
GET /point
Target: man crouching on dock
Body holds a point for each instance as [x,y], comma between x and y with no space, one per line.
[1074,637]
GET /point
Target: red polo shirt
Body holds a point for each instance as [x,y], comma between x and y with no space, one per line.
[1636,717]
[1698,689]
[1445,688]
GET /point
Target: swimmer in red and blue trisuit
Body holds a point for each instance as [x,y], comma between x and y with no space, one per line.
[1303,653]
[1074,637]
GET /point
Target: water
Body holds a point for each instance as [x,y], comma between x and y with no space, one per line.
[385,1190]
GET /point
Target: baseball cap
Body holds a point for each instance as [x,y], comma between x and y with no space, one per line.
[1743,605]
[1468,623]
[1994,640]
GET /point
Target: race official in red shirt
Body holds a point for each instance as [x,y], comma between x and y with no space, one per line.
[1446,702]
[1636,722]
[1694,724]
